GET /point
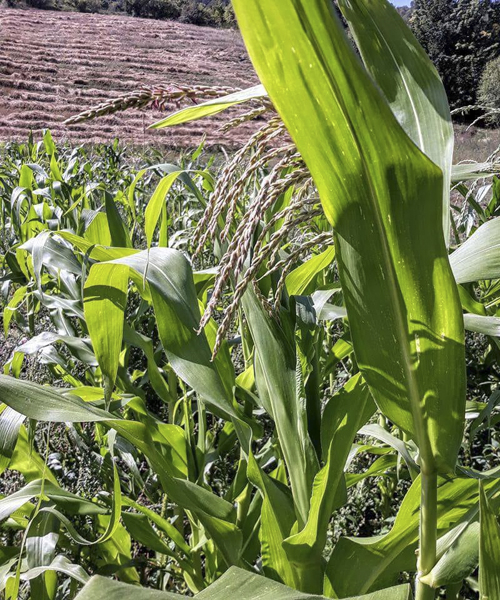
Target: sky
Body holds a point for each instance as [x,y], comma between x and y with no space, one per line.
[401,2]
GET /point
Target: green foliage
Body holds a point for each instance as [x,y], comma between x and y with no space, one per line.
[220,475]
[489,89]
[461,37]
[155,9]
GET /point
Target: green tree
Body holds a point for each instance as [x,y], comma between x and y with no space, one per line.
[489,89]
[461,37]
[155,9]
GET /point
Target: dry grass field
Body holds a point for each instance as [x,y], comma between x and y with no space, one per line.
[55,64]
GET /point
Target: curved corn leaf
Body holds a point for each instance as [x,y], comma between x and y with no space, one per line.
[235,583]
[479,256]
[383,197]
[177,313]
[346,411]
[408,80]
[299,279]
[471,171]
[381,559]
[105,298]
[10,424]
[278,380]
[60,564]
[212,107]
[459,560]
[43,404]
[489,550]
[277,519]
[482,324]
[400,446]
[157,202]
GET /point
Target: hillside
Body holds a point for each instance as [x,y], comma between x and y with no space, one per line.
[56,64]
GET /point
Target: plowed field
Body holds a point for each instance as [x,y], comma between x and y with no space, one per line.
[55,64]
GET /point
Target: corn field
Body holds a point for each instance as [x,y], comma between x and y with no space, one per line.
[210,362]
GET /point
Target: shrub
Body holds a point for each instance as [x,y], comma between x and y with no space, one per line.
[154,9]
[89,6]
[489,89]
[195,13]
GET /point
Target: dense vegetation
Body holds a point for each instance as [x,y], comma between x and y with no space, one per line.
[214,13]
[269,375]
[461,37]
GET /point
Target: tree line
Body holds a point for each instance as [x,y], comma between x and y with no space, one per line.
[212,13]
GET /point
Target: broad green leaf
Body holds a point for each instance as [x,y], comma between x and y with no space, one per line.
[98,230]
[235,583]
[26,460]
[277,519]
[105,298]
[155,205]
[10,424]
[479,256]
[298,280]
[382,558]
[383,197]
[177,313]
[96,251]
[482,324]
[278,379]
[119,235]
[60,564]
[489,550]
[459,560]
[344,414]
[470,171]
[101,588]
[408,80]
[248,586]
[43,404]
[212,107]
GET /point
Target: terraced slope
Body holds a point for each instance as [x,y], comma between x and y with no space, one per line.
[55,64]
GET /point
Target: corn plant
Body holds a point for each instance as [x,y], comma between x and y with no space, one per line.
[376,139]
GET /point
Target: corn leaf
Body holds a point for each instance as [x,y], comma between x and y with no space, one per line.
[383,197]
[459,560]
[482,324]
[278,380]
[177,313]
[156,203]
[212,107]
[300,278]
[235,583]
[472,171]
[479,256]
[105,298]
[344,414]
[381,559]
[408,80]
[277,519]
[489,550]
[10,424]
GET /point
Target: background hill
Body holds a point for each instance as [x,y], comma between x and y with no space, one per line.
[55,64]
